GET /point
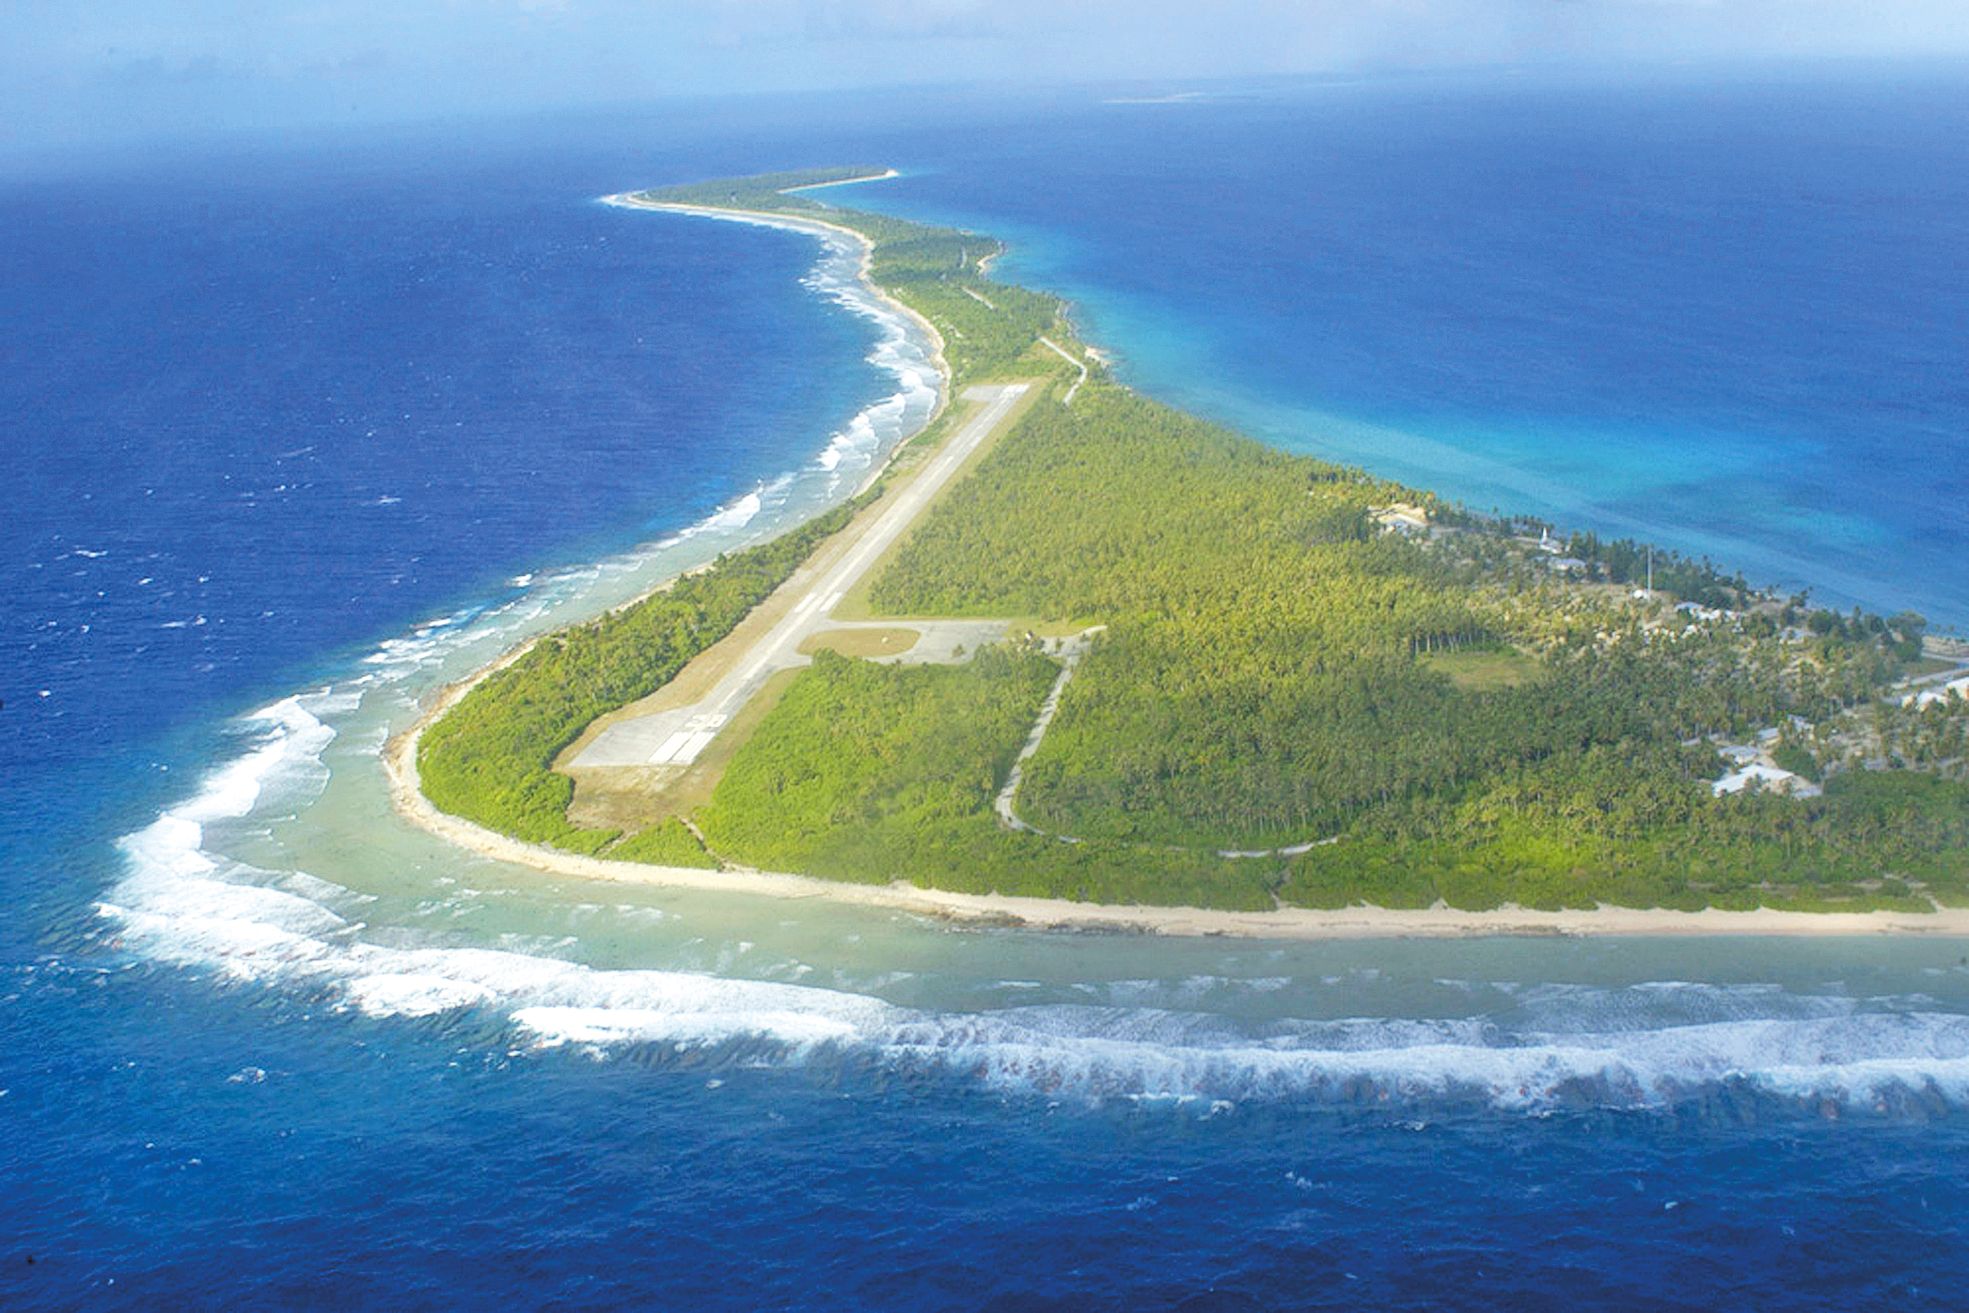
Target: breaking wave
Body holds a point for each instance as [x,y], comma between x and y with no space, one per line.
[184,902]
[1652,1045]
[903,351]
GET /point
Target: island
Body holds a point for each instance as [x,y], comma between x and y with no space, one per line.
[1075,657]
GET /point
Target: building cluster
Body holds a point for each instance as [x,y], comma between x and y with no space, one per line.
[1927,697]
[1752,767]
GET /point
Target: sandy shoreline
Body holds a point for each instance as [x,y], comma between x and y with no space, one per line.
[1000,910]
[400,768]
[820,227]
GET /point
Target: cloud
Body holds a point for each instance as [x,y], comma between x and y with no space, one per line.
[68,69]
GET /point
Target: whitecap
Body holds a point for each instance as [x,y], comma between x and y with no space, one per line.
[734,515]
[184,905]
[412,994]
[184,902]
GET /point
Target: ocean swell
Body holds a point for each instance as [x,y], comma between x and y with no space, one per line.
[186,903]
[1652,1045]
[903,351]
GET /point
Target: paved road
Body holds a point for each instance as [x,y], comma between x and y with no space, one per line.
[676,737]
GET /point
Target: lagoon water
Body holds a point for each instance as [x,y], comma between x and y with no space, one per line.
[294,433]
[1733,319]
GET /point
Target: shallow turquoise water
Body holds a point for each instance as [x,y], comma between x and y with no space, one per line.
[278,466]
[1729,318]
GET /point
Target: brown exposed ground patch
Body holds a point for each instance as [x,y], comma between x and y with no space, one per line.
[631,798]
[862,642]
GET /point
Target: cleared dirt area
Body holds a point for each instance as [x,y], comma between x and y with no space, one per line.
[630,798]
[861,642]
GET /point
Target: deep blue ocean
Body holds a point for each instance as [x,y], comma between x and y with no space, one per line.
[292,431]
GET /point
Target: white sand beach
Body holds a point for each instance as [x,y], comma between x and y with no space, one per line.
[400,764]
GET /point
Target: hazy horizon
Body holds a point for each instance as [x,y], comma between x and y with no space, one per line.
[134,69]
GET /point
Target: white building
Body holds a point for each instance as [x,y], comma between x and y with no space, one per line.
[1768,778]
[1401,517]
[1929,696]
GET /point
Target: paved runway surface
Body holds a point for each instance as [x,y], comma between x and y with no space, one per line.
[676,736]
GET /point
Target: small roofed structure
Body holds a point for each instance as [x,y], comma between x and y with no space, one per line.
[1929,696]
[1770,779]
[1401,517]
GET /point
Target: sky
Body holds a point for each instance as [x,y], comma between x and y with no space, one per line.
[87,70]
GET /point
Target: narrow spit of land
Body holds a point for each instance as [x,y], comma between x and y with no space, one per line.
[1086,487]
[677,735]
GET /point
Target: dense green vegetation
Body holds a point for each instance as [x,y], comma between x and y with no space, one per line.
[1273,673]
[667,843]
[875,773]
[1933,737]
[1261,686]
[1259,680]
[490,758]
[1600,827]
[1349,712]
[932,270]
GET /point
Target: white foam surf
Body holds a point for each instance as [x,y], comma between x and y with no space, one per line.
[183,901]
[903,352]
[1635,1046]
[290,745]
[1530,1047]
